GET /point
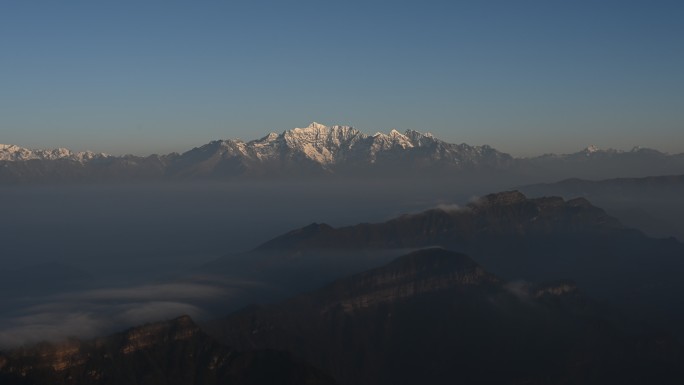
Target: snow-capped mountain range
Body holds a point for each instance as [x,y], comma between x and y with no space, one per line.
[318,150]
[330,149]
[13,153]
[318,143]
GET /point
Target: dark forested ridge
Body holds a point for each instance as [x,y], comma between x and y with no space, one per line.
[510,235]
[173,352]
[437,317]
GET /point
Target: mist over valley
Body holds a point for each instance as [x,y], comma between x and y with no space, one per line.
[348,193]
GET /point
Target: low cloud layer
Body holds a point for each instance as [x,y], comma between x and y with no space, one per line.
[168,291]
[92,313]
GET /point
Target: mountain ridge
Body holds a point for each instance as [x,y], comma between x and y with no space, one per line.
[168,352]
[14,153]
[436,316]
[510,235]
[491,213]
[319,150]
[652,204]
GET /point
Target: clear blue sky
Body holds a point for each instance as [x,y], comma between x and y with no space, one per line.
[526,77]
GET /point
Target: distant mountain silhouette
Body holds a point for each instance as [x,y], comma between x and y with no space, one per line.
[171,352]
[593,163]
[437,317]
[581,187]
[653,204]
[502,214]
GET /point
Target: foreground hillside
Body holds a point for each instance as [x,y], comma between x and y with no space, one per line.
[431,316]
[437,317]
[174,352]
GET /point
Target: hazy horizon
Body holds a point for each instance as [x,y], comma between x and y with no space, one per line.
[190,146]
[526,78]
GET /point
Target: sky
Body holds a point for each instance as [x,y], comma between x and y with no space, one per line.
[526,77]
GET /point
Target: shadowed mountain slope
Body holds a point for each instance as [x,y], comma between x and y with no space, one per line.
[437,317]
[172,352]
[653,204]
[510,235]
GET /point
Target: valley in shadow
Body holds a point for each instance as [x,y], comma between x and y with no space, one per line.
[89,259]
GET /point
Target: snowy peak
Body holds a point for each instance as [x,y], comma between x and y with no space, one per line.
[400,139]
[591,149]
[382,142]
[318,150]
[320,143]
[14,153]
[269,138]
[314,150]
[316,132]
[326,148]
[316,126]
[418,138]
